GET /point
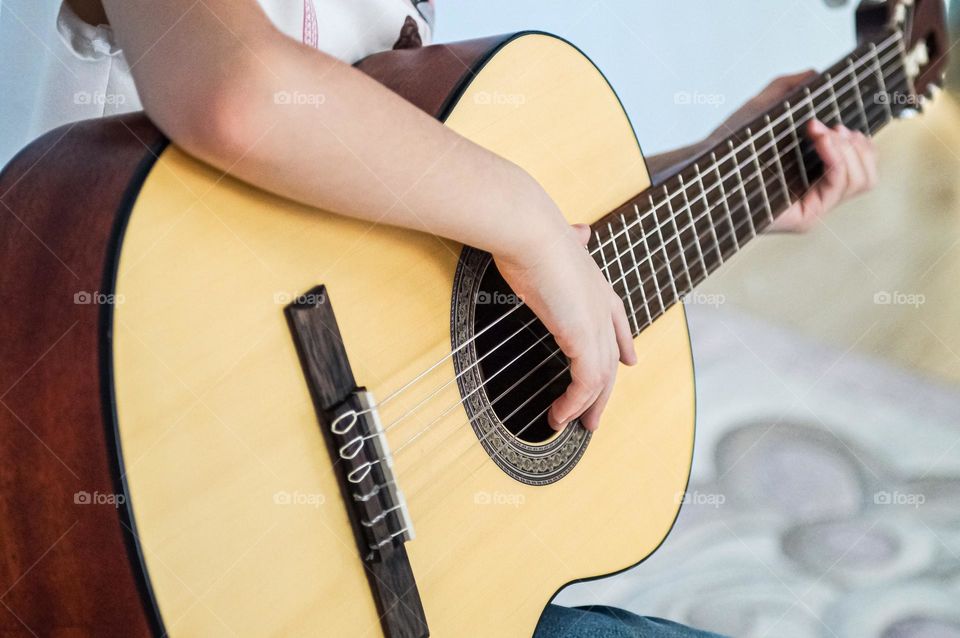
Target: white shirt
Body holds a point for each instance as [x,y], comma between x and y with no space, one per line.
[87,75]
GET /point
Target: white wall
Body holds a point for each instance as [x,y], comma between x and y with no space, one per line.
[724,52]
[25,28]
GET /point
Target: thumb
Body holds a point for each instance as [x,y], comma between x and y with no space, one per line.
[583,233]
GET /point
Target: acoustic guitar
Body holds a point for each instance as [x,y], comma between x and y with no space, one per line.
[228,414]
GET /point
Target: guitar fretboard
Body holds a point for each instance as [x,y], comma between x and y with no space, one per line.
[657,247]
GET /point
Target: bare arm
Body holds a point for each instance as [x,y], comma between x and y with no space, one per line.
[208,74]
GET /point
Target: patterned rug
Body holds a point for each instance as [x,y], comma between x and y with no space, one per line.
[824,502]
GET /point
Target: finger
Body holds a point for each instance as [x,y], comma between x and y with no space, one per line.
[591,418]
[829,189]
[795,79]
[625,345]
[583,390]
[583,233]
[868,157]
[856,172]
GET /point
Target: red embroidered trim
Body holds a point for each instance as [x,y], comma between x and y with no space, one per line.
[310,26]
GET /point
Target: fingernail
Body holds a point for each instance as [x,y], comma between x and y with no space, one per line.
[818,126]
[557,424]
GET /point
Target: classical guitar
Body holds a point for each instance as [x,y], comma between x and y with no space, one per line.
[229,414]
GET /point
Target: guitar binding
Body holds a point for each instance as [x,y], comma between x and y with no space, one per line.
[532,462]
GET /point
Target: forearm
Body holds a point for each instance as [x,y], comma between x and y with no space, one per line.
[341,142]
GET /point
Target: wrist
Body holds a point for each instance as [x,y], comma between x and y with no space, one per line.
[531,225]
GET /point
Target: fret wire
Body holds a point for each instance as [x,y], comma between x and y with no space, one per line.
[808,98]
[903,56]
[776,157]
[743,194]
[746,200]
[676,237]
[636,266]
[746,197]
[706,205]
[614,281]
[797,149]
[603,256]
[879,75]
[711,217]
[833,96]
[874,113]
[710,223]
[616,256]
[738,167]
[666,255]
[646,248]
[809,101]
[693,226]
[859,96]
[616,250]
[724,199]
[664,308]
[735,227]
[756,162]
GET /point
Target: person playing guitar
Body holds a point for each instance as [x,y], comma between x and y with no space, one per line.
[209,74]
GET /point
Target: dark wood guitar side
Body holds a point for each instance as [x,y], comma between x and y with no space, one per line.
[70,568]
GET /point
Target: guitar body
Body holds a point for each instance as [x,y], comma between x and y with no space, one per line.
[239,520]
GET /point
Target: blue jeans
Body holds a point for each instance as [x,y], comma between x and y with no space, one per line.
[608,622]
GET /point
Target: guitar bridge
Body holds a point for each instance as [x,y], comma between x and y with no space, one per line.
[361,459]
[365,459]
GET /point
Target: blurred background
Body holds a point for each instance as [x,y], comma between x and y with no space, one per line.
[825,497]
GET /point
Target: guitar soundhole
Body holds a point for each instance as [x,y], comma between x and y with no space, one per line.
[509,372]
[522,369]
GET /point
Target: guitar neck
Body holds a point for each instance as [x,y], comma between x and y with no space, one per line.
[657,247]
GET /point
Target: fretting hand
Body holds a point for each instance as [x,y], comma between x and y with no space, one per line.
[849,157]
